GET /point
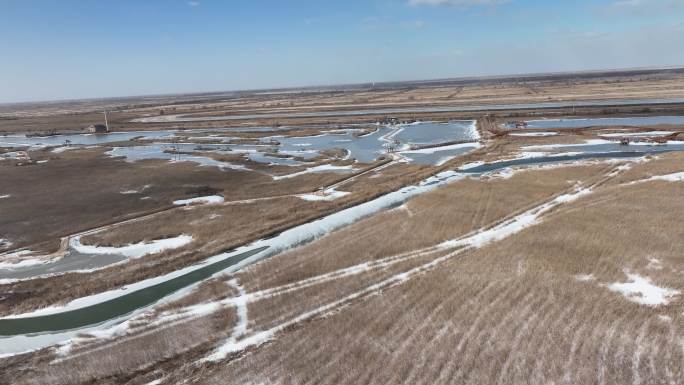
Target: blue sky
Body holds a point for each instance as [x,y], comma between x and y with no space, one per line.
[57,49]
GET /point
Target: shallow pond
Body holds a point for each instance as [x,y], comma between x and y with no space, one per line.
[434,133]
[363,148]
[80,139]
[636,121]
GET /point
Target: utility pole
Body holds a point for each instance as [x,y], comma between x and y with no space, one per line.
[106,123]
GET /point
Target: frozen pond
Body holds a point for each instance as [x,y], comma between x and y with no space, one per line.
[604,146]
[636,121]
[595,149]
[437,156]
[363,148]
[434,133]
[80,139]
[367,148]
[158,151]
[73,261]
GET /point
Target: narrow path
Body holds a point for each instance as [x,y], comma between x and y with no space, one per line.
[375,168]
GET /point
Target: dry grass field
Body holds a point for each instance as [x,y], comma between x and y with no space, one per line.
[256,207]
[376,302]
[533,308]
[82,189]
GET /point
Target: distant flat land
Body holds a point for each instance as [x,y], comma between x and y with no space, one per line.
[542,88]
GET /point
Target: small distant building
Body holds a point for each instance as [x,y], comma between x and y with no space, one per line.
[97,129]
[517,124]
[390,120]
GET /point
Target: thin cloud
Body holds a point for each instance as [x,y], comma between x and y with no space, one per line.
[663,4]
[419,24]
[194,3]
[627,3]
[386,24]
[457,3]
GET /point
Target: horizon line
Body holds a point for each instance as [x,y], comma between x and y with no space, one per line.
[322,87]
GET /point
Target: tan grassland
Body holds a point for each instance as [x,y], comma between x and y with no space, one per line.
[511,312]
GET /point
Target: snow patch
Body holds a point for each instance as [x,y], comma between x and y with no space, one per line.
[22,263]
[136,250]
[584,277]
[5,196]
[206,200]
[534,134]
[676,177]
[470,165]
[432,150]
[515,225]
[62,149]
[14,260]
[642,291]
[321,168]
[638,134]
[654,264]
[326,195]
[560,145]
[592,142]
[132,191]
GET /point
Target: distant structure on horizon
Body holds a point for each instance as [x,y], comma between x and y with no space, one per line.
[99,128]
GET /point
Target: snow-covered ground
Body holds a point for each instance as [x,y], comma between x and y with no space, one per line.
[432,150]
[584,277]
[321,168]
[18,259]
[534,134]
[61,149]
[205,200]
[517,224]
[135,191]
[136,250]
[638,134]
[675,177]
[326,195]
[643,291]
[563,145]
[591,142]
